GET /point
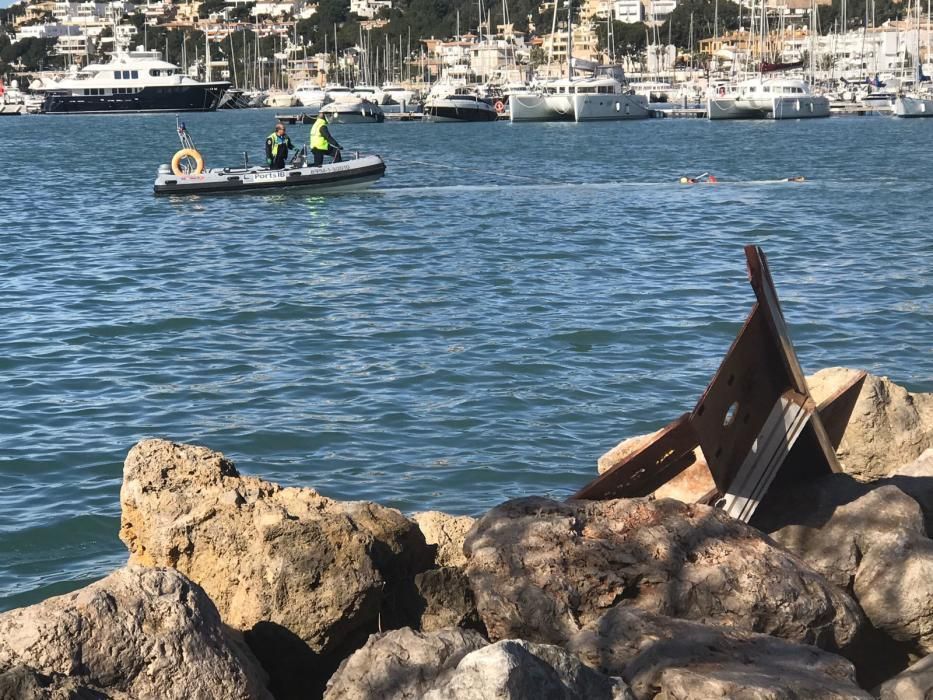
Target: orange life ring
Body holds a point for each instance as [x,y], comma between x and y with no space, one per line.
[500,106]
[182,155]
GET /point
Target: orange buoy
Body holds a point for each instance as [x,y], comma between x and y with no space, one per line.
[189,153]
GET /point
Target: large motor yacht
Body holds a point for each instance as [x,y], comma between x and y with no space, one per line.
[133,81]
[766,98]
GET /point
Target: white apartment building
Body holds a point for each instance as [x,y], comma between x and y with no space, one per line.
[46,31]
[368,9]
[630,11]
[275,8]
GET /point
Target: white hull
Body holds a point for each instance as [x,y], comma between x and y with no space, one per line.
[534,107]
[588,108]
[909,106]
[353,113]
[281,99]
[783,107]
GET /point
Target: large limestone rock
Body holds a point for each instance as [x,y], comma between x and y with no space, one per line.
[916,479]
[661,656]
[446,533]
[23,683]
[514,669]
[456,664]
[307,578]
[138,633]
[889,425]
[401,664]
[894,586]
[833,535]
[447,600]
[915,683]
[542,570]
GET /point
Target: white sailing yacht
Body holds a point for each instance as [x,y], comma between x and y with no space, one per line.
[600,96]
[917,102]
[763,96]
[766,98]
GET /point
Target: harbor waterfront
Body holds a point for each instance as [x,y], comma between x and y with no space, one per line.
[507,303]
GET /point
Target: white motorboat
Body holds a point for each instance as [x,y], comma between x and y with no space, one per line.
[578,99]
[390,94]
[353,111]
[458,107]
[133,81]
[915,104]
[279,98]
[311,96]
[766,98]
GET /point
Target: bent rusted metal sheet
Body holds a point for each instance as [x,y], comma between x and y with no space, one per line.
[749,418]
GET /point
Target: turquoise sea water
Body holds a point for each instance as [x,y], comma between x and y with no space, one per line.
[507,304]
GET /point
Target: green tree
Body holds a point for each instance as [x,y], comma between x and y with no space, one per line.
[630,38]
[704,13]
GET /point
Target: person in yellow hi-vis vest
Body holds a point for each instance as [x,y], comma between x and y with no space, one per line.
[278,144]
[322,143]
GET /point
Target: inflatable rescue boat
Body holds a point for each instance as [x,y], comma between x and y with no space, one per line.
[187,174]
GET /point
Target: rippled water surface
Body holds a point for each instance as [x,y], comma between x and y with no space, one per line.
[508,303]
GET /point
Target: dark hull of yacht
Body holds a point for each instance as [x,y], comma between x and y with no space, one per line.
[170,98]
[450,111]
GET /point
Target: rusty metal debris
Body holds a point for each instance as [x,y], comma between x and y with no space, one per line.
[754,412]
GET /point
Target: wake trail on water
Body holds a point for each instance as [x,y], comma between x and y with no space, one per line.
[496,187]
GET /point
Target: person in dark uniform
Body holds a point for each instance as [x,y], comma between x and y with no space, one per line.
[322,143]
[277,147]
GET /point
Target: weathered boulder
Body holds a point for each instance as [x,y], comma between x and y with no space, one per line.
[915,683]
[833,536]
[140,632]
[916,479]
[306,577]
[514,669]
[541,570]
[660,656]
[889,426]
[401,664]
[446,533]
[23,683]
[894,586]
[448,600]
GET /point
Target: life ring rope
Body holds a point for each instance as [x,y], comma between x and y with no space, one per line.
[187,154]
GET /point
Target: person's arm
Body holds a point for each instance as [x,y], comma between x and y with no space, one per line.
[288,144]
[330,139]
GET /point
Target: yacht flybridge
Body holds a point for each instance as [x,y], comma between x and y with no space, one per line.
[133,81]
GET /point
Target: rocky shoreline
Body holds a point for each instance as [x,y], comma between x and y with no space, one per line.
[240,588]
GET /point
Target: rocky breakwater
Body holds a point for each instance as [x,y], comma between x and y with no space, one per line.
[239,588]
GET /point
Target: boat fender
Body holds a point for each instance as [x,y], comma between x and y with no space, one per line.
[500,106]
[187,153]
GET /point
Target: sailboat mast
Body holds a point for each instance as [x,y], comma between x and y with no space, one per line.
[569,38]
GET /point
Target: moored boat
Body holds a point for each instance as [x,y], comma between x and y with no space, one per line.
[459,107]
[134,81]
